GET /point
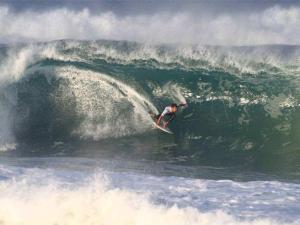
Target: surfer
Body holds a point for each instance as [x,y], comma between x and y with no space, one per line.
[168,112]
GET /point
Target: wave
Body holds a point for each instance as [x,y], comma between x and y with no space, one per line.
[75,193]
[243,101]
[236,60]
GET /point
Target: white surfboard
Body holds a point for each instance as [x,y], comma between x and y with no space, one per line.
[167,130]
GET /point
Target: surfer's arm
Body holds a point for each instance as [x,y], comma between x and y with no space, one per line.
[182,104]
[162,115]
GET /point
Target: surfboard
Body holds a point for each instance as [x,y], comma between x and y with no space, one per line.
[164,129]
[167,130]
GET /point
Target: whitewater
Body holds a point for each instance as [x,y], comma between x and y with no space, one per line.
[77,145]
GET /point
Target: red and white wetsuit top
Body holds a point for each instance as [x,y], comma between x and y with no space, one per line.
[167,110]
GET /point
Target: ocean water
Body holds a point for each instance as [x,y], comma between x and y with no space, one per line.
[77,144]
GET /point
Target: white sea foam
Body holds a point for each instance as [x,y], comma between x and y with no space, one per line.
[7,146]
[246,60]
[13,67]
[251,60]
[74,196]
[7,140]
[172,91]
[94,204]
[110,107]
[273,25]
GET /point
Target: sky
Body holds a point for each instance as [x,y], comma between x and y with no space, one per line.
[215,22]
[129,7]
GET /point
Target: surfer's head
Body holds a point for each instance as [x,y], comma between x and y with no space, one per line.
[174,107]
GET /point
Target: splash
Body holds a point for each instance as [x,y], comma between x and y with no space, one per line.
[110,107]
[224,29]
[171,91]
[96,201]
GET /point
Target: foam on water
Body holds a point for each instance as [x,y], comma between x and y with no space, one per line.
[236,60]
[170,90]
[13,67]
[110,107]
[71,195]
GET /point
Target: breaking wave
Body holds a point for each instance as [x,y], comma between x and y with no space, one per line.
[242,101]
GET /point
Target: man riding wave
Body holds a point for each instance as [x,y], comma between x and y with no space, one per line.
[168,114]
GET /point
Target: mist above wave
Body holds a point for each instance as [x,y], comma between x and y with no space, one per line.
[275,25]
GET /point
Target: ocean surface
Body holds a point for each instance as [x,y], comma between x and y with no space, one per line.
[77,144]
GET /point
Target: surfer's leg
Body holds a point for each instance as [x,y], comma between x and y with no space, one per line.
[157,116]
[169,119]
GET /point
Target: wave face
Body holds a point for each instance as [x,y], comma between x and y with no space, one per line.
[243,102]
